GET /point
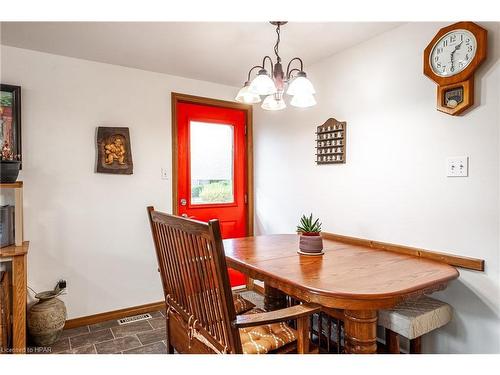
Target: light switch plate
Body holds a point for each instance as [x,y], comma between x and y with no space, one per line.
[457,166]
[164,174]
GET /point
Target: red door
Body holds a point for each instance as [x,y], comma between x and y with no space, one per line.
[212,168]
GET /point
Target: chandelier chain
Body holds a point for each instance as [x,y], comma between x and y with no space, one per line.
[276,46]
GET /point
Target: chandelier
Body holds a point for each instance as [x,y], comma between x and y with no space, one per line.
[272,86]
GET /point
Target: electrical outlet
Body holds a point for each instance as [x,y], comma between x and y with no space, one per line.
[164,174]
[63,285]
[457,166]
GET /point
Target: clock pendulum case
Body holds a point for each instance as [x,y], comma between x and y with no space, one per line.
[450,60]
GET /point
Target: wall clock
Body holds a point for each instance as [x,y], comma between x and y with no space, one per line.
[450,60]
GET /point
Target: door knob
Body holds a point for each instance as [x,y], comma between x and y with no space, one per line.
[183,202]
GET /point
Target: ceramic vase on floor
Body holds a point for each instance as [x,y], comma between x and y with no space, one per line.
[46,319]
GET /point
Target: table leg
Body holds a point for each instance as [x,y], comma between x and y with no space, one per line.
[274,299]
[360,331]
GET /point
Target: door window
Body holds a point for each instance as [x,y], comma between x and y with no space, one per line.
[211,162]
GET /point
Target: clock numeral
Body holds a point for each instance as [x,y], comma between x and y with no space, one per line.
[469,49]
[452,38]
[467,56]
[445,43]
[438,65]
[436,58]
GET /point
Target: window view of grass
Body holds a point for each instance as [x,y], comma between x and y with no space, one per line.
[212,151]
[211,191]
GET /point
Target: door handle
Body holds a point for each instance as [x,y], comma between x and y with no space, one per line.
[184,215]
[183,201]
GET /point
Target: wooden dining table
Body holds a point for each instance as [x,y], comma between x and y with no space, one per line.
[356,279]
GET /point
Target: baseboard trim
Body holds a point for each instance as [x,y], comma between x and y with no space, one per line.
[116,314]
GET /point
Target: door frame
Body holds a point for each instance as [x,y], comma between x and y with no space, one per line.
[192,99]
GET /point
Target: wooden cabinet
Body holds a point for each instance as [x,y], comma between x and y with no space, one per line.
[16,255]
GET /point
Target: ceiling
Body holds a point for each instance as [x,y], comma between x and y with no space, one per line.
[220,52]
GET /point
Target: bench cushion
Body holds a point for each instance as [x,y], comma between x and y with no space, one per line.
[416,317]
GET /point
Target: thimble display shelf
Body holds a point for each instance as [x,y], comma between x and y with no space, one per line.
[331,142]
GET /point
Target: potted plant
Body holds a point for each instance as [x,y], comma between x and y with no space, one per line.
[310,242]
[9,165]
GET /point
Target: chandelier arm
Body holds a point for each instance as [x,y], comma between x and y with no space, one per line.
[288,72]
[289,75]
[270,62]
[250,71]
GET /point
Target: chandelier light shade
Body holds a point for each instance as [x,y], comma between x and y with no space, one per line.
[273,103]
[303,100]
[294,81]
[300,85]
[245,95]
[263,84]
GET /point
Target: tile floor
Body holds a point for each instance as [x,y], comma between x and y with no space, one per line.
[142,337]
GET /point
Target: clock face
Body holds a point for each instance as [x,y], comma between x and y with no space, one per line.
[453,53]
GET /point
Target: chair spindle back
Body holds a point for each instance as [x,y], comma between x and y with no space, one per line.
[195,279]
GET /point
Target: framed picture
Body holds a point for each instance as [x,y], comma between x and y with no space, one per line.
[113,151]
[10,119]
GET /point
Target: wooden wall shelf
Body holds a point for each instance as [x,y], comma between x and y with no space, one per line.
[13,250]
[11,185]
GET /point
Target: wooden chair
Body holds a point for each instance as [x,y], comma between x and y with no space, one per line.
[413,319]
[328,329]
[201,316]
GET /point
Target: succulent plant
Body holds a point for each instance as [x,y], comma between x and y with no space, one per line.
[307,226]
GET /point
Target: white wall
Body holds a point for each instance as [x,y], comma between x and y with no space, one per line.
[91,228]
[393,187]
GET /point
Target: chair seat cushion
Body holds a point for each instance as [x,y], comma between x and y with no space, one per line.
[416,317]
[241,304]
[265,338]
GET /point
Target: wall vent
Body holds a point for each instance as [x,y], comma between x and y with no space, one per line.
[135,318]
